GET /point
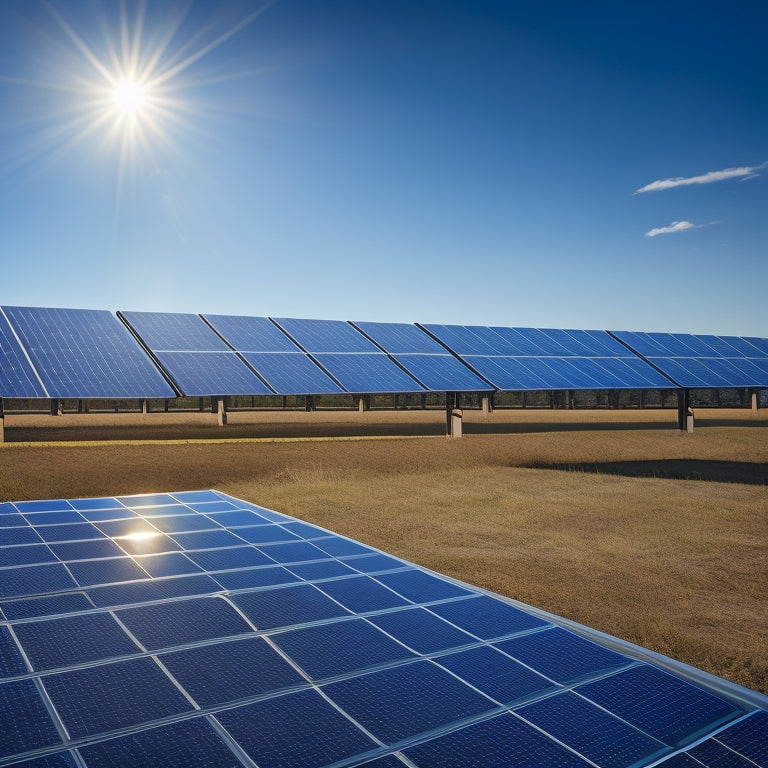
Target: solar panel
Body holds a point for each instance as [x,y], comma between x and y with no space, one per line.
[424,358]
[353,360]
[84,353]
[695,361]
[194,356]
[519,359]
[17,376]
[288,645]
[284,366]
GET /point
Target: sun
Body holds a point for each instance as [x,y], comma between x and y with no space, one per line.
[130,98]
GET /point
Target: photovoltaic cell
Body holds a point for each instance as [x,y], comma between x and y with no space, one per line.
[174,332]
[251,334]
[501,742]
[185,621]
[82,353]
[232,670]
[362,594]
[110,696]
[592,732]
[329,650]
[26,722]
[292,373]
[180,745]
[658,703]
[300,729]
[404,701]
[73,640]
[485,617]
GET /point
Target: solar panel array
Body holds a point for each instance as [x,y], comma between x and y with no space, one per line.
[533,359]
[68,353]
[195,629]
[703,361]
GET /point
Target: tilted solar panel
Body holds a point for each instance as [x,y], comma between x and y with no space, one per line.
[240,636]
[82,353]
[174,332]
[424,358]
[17,376]
[696,361]
[194,356]
[251,334]
[279,361]
[353,360]
[535,359]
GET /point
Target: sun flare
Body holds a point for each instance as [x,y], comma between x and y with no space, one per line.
[130,97]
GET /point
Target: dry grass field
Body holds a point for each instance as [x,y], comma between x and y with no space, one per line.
[611,518]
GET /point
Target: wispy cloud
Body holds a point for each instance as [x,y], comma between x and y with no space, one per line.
[745,172]
[675,226]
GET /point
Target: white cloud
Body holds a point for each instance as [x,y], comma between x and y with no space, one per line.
[746,172]
[675,226]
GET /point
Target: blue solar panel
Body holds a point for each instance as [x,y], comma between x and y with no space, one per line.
[235,669]
[200,374]
[301,729]
[180,745]
[561,655]
[171,332]
[26,722]
[377,662]
[501,742]
[442,373]
[330,650]
[184,621]
[404,701]
[592,732]
[251,334]
[318,336]
[81,353]
[111,696]
[660,704]
[495,674]
[401,338]
[73,640]
[17,376]
[292,373]
[519,359]
[703,361]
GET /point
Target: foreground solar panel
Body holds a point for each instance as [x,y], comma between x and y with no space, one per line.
[286,368]
[517,359]
[79,353]
[195,629]
[424,358]
[353,360]
[703,361]
[198,361]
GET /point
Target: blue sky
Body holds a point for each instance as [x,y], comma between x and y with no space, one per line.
[553,164]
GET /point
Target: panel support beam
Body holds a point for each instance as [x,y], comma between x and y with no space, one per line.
[684,410]
[363,403]
[219,407]
[755,400]
[453,414]
[486,404]
[2,421]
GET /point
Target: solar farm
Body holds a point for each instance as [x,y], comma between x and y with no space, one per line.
[390,599]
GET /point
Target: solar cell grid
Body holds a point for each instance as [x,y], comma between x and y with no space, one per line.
[251,334]
[459,678]
[18,377]
[81,353]
[318,336]
[292,373]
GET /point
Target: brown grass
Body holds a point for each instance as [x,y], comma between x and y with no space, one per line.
[607,539]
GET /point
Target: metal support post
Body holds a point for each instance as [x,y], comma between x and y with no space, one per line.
[487,405]
[453,414]
[221,411]
[2,421]
[755,400]
[684,410]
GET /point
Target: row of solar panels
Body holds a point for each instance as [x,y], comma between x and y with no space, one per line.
[75,353]
[196,629]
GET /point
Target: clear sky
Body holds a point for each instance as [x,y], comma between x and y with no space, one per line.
[538,164]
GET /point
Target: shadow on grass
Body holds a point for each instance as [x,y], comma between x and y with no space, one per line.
[745,472]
